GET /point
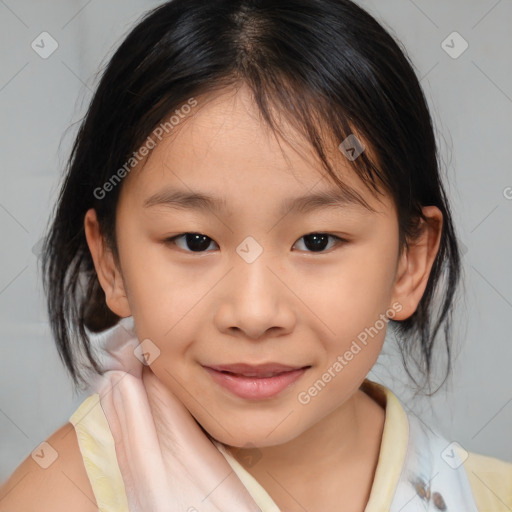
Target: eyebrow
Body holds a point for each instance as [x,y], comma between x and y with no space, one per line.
[192,200]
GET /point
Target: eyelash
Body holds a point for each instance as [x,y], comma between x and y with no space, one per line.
[339,240]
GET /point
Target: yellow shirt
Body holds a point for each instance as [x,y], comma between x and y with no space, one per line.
[490,478]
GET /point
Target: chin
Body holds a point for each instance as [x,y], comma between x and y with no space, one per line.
[250,437]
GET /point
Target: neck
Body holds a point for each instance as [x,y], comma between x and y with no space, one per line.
[339,452]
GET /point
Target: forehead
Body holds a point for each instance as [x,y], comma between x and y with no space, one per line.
[225,148]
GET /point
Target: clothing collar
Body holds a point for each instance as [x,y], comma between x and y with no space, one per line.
[391,456]
[417,469]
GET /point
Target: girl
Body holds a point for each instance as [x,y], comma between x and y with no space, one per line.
[253,198]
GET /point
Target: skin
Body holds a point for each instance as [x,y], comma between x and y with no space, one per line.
[291,305]
[61,487]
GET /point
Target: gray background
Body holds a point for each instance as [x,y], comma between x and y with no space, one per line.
[41,101]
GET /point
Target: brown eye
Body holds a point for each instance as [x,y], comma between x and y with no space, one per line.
[317,242]
[193,242]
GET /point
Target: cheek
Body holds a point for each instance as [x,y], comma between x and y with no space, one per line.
[350,296]
[161,292]
[352,303]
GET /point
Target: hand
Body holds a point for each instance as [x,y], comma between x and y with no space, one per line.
[166,460]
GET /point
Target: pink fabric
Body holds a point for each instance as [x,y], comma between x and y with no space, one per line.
[166,461]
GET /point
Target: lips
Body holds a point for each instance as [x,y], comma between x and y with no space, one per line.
[257,371]
[255,382]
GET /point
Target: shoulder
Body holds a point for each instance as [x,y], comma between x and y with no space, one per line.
[491,481]
[62,486]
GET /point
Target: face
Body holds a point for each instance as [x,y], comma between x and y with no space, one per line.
[256,281]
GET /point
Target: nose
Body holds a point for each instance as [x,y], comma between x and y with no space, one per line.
[255,300]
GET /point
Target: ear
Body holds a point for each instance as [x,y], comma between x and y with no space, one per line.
[416,262]
[109,275]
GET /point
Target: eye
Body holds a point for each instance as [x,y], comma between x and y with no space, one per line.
[195,241]
[316,242]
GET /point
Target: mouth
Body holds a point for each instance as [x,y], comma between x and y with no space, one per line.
[255,382]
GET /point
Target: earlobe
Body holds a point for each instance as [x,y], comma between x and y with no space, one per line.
[108,273]
[416,263]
